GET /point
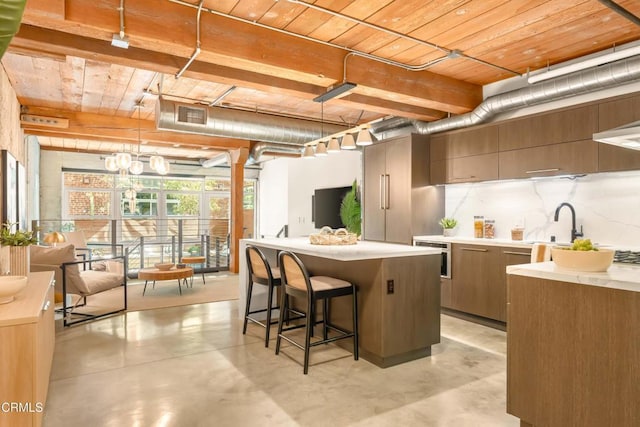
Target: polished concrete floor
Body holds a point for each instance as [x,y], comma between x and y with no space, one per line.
[191,366]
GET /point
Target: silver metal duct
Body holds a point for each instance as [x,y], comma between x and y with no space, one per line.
[258,149]
[601,77]
[225,122]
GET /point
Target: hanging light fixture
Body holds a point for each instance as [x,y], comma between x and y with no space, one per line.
[123,160]
[156,162]
[334,146]
[348,143]
[110,164]
[308,152]
[321,149]
[364,138]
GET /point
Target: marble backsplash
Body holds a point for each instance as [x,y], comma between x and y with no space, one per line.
[607,205]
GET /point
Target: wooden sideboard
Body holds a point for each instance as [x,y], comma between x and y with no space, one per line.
[27,338]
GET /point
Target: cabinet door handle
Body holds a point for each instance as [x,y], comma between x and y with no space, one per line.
[46,305]
[381,192]
[387,192]
[475,249]
[516,253]
[542,170]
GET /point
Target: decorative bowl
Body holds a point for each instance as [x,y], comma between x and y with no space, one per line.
[589,261]
[10,286]
[181,265]
[163,266]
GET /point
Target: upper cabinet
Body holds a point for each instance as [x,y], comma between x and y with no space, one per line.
[396,185]
[574,124]
[465,155]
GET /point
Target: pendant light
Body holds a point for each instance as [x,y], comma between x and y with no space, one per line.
[110,164]
[308,152]
[334,146]
[348,143]
[364,138]
[321,149]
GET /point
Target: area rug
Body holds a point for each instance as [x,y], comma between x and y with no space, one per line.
[218,287]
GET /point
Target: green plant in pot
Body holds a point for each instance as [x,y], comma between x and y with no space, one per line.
[448,224]
[351,210]
[14,251]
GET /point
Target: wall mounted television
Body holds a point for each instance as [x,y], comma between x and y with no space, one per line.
[326,206]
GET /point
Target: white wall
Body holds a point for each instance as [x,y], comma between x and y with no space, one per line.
[297,178]
[607,205]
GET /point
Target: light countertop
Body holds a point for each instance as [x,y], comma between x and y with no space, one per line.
[618,276]
[472,241]
[359,251]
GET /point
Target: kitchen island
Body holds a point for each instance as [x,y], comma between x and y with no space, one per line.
[573,346]
[398,292]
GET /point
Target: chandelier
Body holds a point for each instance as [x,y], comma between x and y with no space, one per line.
[124,163]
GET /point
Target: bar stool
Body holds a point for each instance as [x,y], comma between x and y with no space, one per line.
[261,273]
[297,283]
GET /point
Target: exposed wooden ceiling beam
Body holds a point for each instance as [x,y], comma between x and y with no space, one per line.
[100,127]
[238,46]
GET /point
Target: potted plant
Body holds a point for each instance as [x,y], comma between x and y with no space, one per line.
[350,210]
[447,224]
[14,253]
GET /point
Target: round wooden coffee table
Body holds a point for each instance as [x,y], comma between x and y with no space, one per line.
[180,274]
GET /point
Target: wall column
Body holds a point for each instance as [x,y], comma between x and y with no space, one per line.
[238,159]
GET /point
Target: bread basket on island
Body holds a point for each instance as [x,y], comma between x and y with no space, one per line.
[327,236]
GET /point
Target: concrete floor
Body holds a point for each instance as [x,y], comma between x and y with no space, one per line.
[191,366]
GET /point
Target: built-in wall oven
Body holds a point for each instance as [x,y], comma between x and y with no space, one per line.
[445,265]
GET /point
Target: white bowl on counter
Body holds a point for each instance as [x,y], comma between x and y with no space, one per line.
[10,286]
[588,261]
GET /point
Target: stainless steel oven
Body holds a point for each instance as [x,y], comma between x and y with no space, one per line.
[445,266]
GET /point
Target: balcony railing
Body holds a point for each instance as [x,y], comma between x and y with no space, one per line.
[149,241]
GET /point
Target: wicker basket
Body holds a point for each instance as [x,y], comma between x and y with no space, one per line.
[330,237]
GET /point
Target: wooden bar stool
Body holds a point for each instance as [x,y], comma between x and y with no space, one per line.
[297,283]
[261,273]
[194,260]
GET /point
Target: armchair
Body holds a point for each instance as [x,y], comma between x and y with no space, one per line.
[71,279]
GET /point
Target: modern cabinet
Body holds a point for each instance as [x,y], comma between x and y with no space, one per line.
[27,337]
[466,155]
[572,124]
[478,282]
[557,159]
[396,186]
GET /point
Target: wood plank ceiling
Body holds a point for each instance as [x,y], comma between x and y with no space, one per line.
[274,57]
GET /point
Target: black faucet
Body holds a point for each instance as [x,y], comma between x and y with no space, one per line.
[574,233]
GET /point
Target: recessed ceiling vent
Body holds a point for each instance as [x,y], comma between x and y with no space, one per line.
[230,123]
[193,115]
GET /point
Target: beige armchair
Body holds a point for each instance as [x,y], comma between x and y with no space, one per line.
[83,278]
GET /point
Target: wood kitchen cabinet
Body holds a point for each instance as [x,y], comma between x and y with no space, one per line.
[572,124]
[397,202]
[27,338]
[478,283]
[557,159]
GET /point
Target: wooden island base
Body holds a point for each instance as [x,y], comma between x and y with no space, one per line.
[398,300]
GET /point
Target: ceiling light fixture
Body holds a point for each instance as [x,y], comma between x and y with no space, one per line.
[582,65]
[364,138]
[348,142]
[120,39]
[308,152]
[335,91]
[321,149]
[333,146]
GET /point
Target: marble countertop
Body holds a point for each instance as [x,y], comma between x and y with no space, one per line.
[473,241]
[618,276]
[361,250]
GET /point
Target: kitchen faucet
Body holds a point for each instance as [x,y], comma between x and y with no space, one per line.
[574,232]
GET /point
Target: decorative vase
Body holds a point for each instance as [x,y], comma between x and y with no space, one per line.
[447,232]
[5,260]
[19,260]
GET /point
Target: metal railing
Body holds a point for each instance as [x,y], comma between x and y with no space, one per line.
[149,241]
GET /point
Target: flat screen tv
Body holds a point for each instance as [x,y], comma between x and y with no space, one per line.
[326,206]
